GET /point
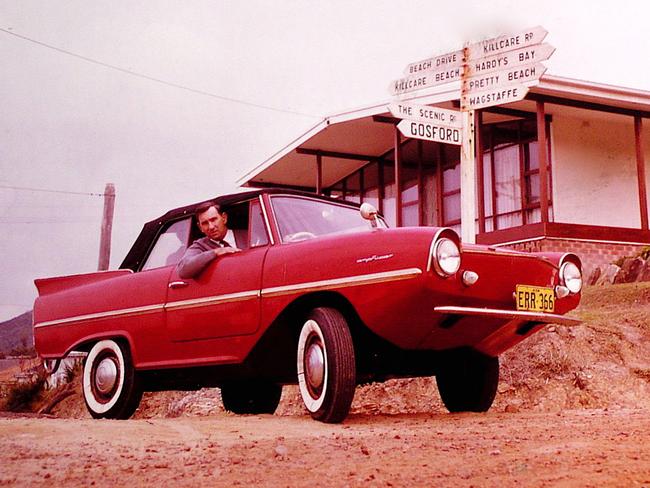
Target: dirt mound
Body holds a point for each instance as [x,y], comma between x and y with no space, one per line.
[602,363]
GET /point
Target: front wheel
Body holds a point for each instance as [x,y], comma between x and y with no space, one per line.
[251,397]
[110,385]
[326,365]
[468,380]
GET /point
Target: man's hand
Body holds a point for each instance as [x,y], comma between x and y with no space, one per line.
[226,250]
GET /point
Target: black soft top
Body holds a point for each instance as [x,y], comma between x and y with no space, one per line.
[151,229]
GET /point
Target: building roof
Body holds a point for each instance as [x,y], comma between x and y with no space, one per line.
[358,133]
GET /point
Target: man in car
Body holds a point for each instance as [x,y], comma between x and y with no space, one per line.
[213,223]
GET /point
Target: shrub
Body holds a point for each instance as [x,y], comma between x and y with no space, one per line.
[73,371]
[22,396]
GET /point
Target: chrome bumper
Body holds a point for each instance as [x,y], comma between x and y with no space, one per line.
[540,317]
[516,326]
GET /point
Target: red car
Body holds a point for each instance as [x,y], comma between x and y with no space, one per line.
[323,294]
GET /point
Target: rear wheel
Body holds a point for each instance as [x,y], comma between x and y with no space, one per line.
[326,365]
[251,397]
[468,380]
[110,384]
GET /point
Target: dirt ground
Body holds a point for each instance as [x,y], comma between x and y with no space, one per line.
[572,409]
[571,448]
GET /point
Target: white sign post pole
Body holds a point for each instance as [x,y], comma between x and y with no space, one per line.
[467,176]
[468,180]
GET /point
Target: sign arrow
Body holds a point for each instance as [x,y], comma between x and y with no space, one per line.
[425,113]
[507,42]
[495,96]
[430,132]
[423,80]
[519,74]
[510,59]
[449,60]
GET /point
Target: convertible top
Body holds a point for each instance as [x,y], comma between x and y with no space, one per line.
[151,229]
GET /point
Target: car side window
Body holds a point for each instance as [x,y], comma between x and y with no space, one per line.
[246,222]
[170,245]
[259,237]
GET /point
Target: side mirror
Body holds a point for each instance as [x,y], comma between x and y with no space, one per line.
[369,212]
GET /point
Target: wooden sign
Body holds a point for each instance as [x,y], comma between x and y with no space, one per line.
[520,74]
[443,61]
[510,59]
[423,80]
[507,42]
[427,114]
[430,132]
[495,96]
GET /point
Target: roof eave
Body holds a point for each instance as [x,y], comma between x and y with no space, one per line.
[549,85]
[617,96]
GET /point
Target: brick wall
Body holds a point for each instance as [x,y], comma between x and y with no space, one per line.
[592,254]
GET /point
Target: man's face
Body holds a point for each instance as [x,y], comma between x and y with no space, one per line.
[213,223]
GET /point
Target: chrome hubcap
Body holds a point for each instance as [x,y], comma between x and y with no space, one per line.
[106,376]
[315,366]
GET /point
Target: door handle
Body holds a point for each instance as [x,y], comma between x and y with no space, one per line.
[178,284]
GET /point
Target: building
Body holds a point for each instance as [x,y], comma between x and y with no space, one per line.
[563,169]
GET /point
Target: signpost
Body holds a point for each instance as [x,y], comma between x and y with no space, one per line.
[488,66]
[492,72]
[501,70]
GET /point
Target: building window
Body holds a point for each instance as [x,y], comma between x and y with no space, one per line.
[371,186]
[430,189]
[410,177]
[511,174]
[451,195]
[388,200]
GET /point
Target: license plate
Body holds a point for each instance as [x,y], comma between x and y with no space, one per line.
[535,298]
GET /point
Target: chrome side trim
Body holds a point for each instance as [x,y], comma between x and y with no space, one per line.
[396,275]
[103,315]
[213,300]
[541,317]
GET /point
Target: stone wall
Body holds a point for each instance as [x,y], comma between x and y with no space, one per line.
[593,254]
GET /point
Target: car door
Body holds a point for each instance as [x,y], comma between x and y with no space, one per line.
[224,300]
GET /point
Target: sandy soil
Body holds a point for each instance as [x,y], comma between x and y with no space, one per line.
[571,448]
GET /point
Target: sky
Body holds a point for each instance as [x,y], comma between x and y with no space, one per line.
[173,101]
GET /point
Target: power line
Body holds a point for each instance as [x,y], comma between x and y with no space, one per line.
[154,79]
[24,188]
[47,222]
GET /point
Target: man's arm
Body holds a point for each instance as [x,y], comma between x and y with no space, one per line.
[194,261]
[197,258]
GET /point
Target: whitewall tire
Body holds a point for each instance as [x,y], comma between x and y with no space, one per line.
[326,365]
[110,385]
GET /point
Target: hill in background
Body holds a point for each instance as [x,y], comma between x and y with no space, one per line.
[16,334]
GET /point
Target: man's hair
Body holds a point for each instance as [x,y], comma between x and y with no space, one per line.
[203,207]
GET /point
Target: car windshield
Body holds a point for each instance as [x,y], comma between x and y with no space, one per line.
[302,218]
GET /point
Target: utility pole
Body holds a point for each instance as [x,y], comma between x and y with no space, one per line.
[107,227]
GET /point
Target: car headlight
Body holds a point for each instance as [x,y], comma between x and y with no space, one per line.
[446,257]
[571,277]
